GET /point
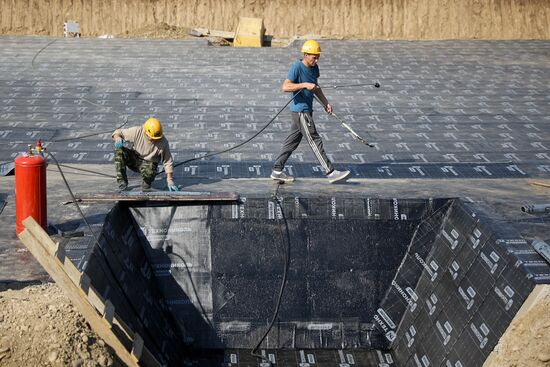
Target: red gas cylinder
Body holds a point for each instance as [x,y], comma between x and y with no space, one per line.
[30,190]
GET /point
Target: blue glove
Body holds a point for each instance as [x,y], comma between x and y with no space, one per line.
[119,143]
[172,186]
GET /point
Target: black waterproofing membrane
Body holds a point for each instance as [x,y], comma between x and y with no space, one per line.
[3,201]
[371,281]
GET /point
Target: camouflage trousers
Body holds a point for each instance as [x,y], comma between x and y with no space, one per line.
[125,157]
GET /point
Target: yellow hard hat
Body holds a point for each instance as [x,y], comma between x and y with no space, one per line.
[311,47]
[153,128]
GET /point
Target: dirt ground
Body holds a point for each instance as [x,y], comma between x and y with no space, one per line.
[39,327]
[162,30]
[527,340]
[166,31]
[366,19]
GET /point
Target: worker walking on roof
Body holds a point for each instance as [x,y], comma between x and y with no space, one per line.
[149,147]
[302,83]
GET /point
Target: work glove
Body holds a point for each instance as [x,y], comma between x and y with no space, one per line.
[171,185]
[119,143]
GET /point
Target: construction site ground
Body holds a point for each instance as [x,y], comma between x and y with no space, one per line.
[210,98]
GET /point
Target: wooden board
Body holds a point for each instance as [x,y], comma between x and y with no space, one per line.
[537,183]
[167,196]
[68,278]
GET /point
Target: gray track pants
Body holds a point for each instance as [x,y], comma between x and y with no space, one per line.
[303,125]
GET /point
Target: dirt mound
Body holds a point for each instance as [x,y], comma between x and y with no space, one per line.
[40,327]
[160,30]
[527,340]
[167,31]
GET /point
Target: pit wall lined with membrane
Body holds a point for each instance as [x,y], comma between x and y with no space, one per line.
[220,267]
[454,296]
[159,268]
[120,272]
[366,19]
[417,281]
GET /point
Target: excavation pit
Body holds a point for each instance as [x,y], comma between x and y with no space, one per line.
[369,281]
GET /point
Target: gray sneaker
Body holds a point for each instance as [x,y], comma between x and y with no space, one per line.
[123,186]
[335,176]
[281,176]
[145,186]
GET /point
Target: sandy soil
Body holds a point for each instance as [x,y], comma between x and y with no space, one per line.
[166,31]
[40,327]
[161,30]
[526,343]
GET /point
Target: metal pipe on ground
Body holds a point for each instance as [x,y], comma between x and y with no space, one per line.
[536,208]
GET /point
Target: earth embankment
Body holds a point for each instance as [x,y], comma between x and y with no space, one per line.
[357,19]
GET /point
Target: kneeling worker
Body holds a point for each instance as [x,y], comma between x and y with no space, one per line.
[149,147]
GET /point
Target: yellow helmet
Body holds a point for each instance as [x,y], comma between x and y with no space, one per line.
[153,128]
[311,47]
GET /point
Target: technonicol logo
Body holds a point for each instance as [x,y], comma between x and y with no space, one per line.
[386,324]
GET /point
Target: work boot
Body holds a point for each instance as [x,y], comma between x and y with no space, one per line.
[123,186]
[281,176]
[335,176]
[145,186]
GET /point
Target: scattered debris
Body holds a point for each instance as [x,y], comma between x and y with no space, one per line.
[205,32]
[166,31]
[71,29]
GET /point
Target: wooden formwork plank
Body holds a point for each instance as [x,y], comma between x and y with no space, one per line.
[96,300]
[103,307]
[166,196]
[100,305]
[38,243]
[72,271]
[137,346]
[79,279]
[538,183]
[44,239]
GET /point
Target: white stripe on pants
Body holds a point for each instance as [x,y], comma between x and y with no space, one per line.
[299,128]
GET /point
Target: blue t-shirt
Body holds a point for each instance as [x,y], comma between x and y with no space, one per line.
[299,73]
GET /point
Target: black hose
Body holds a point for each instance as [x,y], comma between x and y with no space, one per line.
[244,142]
[87,171]
[93,134]
[285,273]
[376,85]
[180,163]
[39,51]
[111,271]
